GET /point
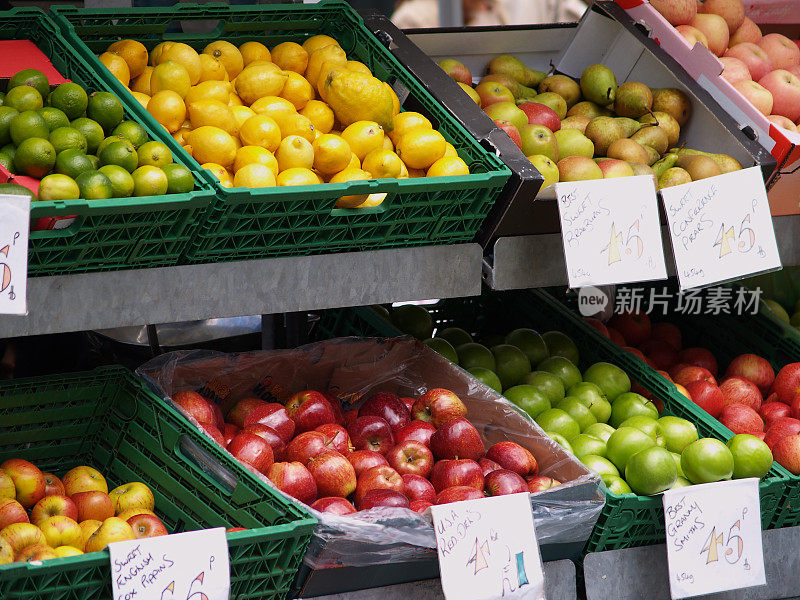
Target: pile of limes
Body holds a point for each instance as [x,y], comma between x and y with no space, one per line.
[257,117]
[78,144]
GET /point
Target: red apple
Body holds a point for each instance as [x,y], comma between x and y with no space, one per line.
[411,457]
[787,383]
[382,477]
[691,374]
[409,402]
[293,479]
[418,488]
[785,89]
[734,70]
[252,450]
[309,409]
[381,497]
[539,483]
[306,446]
[419,506]
[660,352]
[336,437]
[503,482]
[350,416]
[487,466]
[787,452]
[336,405]
[272,415]
[635,326]
[84,479]
[458,472]
[757,95]
[748,31]
[457,494]
[782,52]
[50,506]
[795,406]
[491,92]
[219,418]
[93,505]
[677,12]
[238,413]
[598,325]
[741,419]
[419,431]
[770,411]
[11,511]
[665,375]
[780,428]
[716,31]
[214,433]
[635,351]
[334,506]
[616,337]
[667,332]
[513,457]
[147,526]
[738,390]
[707,396]
[194,404]
[456,70]
[539,114]
[698,357]
[753,368]
[511,131]
[371,433]
[437,406]
[366,459]
[52,485]
[28,480]
[457,438]
[269,435]
[388,407]
[333,474]
[229,432]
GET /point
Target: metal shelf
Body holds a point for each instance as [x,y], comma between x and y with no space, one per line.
[138,297]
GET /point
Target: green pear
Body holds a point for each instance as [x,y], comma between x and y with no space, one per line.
[629,126]
[674,102]
[667,162]
[578,122]
[666,121]
[673,176]
[652,155]
[633,100]
[698,166]
[588,109]
[654,137]
[628,150]
[516,88]
[505,64]
[599,85]
[564,86]
[726,163]
[572,142]
[603,131]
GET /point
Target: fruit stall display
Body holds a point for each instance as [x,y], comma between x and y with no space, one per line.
[348,427]
[286,71]
[68,439]
[110,195]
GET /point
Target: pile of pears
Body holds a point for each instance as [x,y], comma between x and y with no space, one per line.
[592,128]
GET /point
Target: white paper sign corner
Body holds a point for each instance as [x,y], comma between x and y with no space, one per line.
[15,214]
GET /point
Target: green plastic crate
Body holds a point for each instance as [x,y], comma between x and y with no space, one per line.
[107,419]
[268,222]
[113,234]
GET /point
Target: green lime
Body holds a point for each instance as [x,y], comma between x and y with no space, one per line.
[6,115]
[149,181]
[73,162]
[91,130]
[2,98]
[35,157]
[33,78]
[132,131]
[121,180]
[110,140]
[94,160]
[7,161]
[71,98]
[154,153]
[180,180]
[94,185]
[17,190]
[9,150]
[28,124]
[106,109]
[58,187]
[23,98]
[119,153]
[53,117]
[67,138]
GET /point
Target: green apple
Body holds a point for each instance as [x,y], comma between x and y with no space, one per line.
[577,410]
[631,404]
[560,344]
[507,111]
[707,460]
[678,432]
[602,431]
[528,398]
[486,377]
[562,368]
[592,396]
[612,380]
[547,383]
[598,464]
[651,471]
[624,443]
[680,482]
[443,347]
[677,459]
[475,355]
[616,485]
[512,364]
[649,425]
[530,342]
[560,440]
[547,167]
[751,456]
[587,444]
[558,421]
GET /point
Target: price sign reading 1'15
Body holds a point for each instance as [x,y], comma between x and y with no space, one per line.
[721,228]
[611,231]
[714,538]
[15,216]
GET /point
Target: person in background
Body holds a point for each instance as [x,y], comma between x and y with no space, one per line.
[414,14]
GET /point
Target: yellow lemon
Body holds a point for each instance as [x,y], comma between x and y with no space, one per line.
[331,154]
[421,147]
[141,84]
[260,130]
[320,114]
[241,114]
[296,124]
[403,172]
[273,106]
[212,144]
[318,41]
[297,90]
[178,136]
[188,149]
[350,175]
[257,81]
[255,154]
[133,53]
[354,162]
[254,175]
[169,75]
[290,56]
[117,66]
[382,163]
[212,112]
[373,200]
[332,53]
[363,137]
[209,90]
[416,173]
[142,99]
[251,51]
[448,166]
[184,55]
[228,55]
[359,67]
[387,143]
[450,151]
[298,176]
[155,54]
[219,172]
[294,151]
[234,100]
[329,67]
[357,97]
[395,99]
[211,69]
[406,121]
[167,108]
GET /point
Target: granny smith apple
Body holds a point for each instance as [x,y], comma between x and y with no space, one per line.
[609,378]
[531,343]
[707,460]
[624,443]
[512,364]
[598,464]
[547,383]
[602,431]
[443,347]
[586,444]
[631,404]
[577,410]
[592,396]
[486,377]
[475,355]
[558,421]
[677,459]
[559,344]
[560,440]
[562,368]
[528,398]
[680,482]
[751,456]
[649,425]
[651,471]
[678,432]
[616,485]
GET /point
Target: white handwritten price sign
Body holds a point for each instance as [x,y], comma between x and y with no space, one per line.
[15,216]
[721,228]
[611,231]
[488,549]
[183,566]
[714,538]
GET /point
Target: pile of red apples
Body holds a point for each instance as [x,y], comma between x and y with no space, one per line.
[765,69]
[391,452]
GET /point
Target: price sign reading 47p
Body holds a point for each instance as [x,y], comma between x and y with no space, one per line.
[15,216]
[721,228]
[611,231]
[488,549]
[714,538]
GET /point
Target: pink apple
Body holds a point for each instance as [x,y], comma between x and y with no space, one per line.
[782,122]
[677,12]
[738,390]
[753,368]
[690,374]
[757,95]
[782,51]
[794,70]
[692,35]
[771,411]
[539,114]
[785,90]
[741,419]
[780,428]
[293,479]
[734,69]
[715,29]
[437,406]
[334,506]
[757,61]
[418,488]
[748,31]
[730,10]
[787,383]
[510,130]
